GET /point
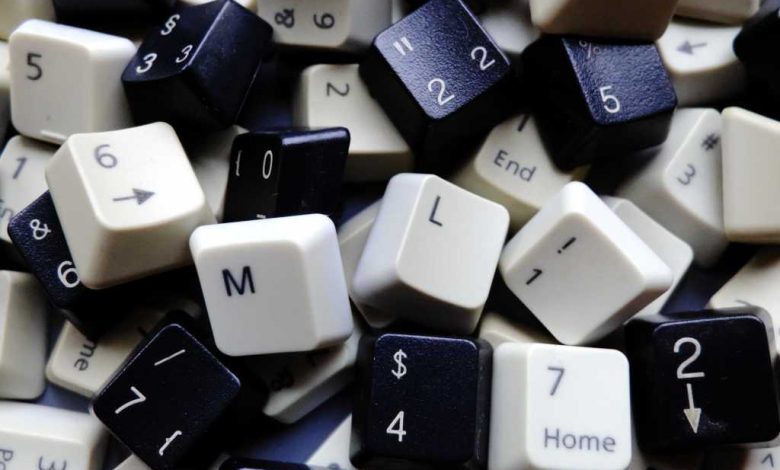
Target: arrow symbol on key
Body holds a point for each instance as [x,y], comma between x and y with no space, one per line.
[139,195]
[693,414]
[689,48]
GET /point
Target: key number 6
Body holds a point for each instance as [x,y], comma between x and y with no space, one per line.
[611,103]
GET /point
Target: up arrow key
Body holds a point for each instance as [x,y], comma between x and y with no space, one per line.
[139,195]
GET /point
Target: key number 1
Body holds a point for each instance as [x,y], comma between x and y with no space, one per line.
[398,424]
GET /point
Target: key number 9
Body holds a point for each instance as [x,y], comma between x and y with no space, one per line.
[68,275]
[611,103]
[105,159]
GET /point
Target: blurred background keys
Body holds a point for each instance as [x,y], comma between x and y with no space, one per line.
[178,74]
[441,80]
[283,173]
[596,98]
[409,413]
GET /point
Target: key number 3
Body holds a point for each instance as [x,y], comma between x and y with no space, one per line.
[442,99]
[611,103]
[148,63]
[681,374]
[186,51]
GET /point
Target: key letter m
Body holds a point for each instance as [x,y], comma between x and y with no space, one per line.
[246,278]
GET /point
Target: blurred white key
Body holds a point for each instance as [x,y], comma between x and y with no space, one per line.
[353,235]
[645,20]
[701,62]
[346,25]
[432,253]
[22,167]
[508,22]
[22,337]
[755,284]
[128,201]
[41,437]
[132,463]
[66,80]
[497,330]
[5,91]
[513,169]
[681,188]
[300,382]
[274,285]
[722,11]
[559,408]
[743,459]
[15,12]
[677,254]
[750,166]
[333,453]
[579,269]
[334,95]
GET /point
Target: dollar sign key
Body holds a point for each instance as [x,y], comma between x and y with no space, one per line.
[399,357]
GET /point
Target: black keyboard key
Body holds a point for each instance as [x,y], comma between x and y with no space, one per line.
[596,99]
[754,47]
[477,6]
[283,173]
[196,68]
[423,402]
[234,463]
[703,378]
[440,78]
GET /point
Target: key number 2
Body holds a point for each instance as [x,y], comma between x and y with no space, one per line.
[681,374]
[611,103]
[442,99]
[397,427]
[484,64]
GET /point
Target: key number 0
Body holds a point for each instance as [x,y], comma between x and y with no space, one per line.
[681,374]
[611,103]
[398,424]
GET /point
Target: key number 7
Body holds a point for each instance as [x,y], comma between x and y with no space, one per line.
[140,399]
[559,371]
[611,103]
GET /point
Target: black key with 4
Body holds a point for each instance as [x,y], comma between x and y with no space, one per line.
[197,68]
[423,403]
[702,379]
[440,78]
[286,172]
[595,99]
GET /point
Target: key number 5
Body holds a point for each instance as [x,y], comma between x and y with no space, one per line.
[397,427]
[611,103]
[31,57]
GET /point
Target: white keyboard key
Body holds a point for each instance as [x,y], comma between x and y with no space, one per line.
[722,11]
[334,95]
[274,285]
[701,61]
[644,20]
[681,188]
[300,382]
[22,336]
[743,459]
[559,408]
[508,22]
[755,284]
[66,80]
[353,235]
[432,253]
[579,269]
[22,168]
[750,190]
[513,169]
[497,330]
[333,453]
[5,91]
[677,254]
[16,12]
[346,25]
[41,437]
[128,201]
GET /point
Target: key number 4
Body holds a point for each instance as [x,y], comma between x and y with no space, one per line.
[611,103]
[397,427]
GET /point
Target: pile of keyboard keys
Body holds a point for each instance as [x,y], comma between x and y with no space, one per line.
[475,218]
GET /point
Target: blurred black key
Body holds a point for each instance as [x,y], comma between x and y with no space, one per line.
[477,6]
[234,463]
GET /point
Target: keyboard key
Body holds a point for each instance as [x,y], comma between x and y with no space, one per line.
[5,91]
[643,460]
[714,372]
[431,254]
[749,160]
[283,173]
[180,70]
[82,8]
[605,19]
[513,169]
[559,407]
[677,254]
[326,25]
[300,382]
[22,338]
[333,453]
[248,4]
[127,201]
[596,99]
[36,436]
[22,180]
[174,381]
[132,463]
[743,459]
[235,463]
[701,61]
[353,235]
[721,11]
[16,12]
[758,35]
[408,412]
[334,95]
[440,78]
[576,255]
[477,6]
[681,188]
[497,330]
[299,305]
[64,81]
[509,24]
